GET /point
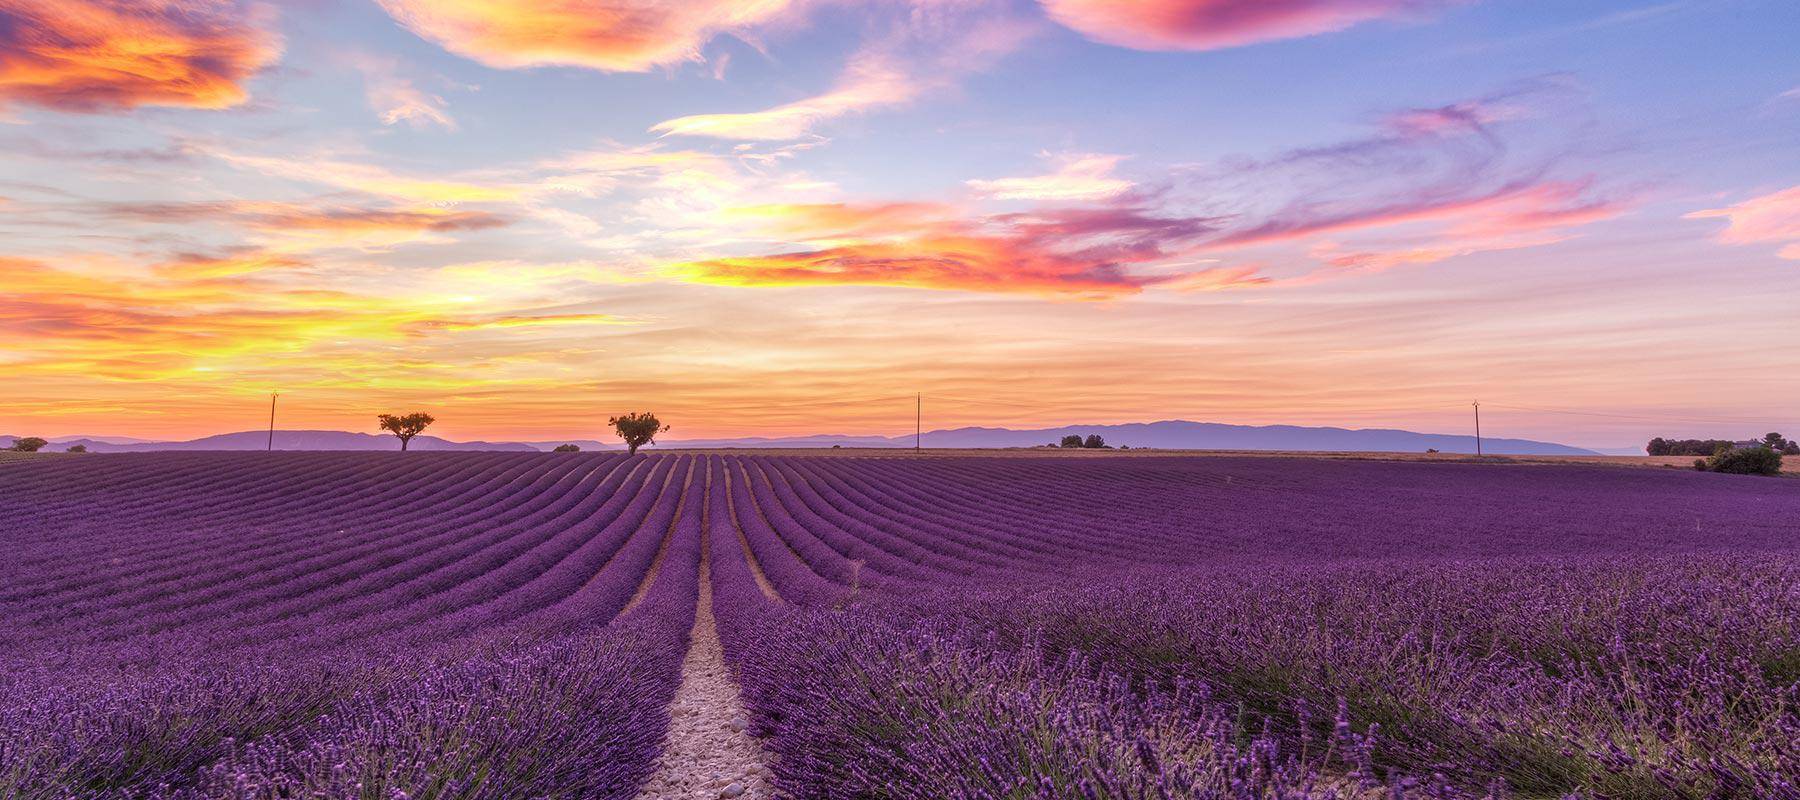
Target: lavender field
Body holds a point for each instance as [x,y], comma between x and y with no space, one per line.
[514,625]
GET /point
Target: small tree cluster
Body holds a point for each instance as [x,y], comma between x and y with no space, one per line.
[28,444]
[1685,447]
[1706,447]
[1074,440]
[567,448]
[1759,460]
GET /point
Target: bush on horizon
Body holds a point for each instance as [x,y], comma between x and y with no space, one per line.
[28,444]
[1744,461]
[567,448]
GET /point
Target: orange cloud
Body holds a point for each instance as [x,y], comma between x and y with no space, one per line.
[610,35]
[1216,24]
[102,55]
[1072,253]
[103,320]
[1771,218]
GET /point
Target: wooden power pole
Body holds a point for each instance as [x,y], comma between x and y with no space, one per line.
[918,423]
[1477,428]
[272,396]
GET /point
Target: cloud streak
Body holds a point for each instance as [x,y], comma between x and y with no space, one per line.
[1087,254]
[90,56]
[870,82]
[1218,24]
[929,50]
[1077,177]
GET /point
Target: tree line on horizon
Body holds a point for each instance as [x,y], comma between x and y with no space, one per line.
[1709,447]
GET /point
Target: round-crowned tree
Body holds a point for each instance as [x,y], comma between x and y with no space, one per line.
[28,444]
[637,429]
[405,426]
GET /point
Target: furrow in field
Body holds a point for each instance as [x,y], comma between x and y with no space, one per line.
[708,751]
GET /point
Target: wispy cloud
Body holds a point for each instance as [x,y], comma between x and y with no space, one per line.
[928,50]
[1077,177]
[395,99]
[1216,24]
[111,55]
[870,82]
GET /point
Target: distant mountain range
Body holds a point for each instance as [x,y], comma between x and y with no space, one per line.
[1170,435]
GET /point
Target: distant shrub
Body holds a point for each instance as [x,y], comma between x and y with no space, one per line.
[1743,461]
[1429,450]
[1072,440]
[28,444]
[567,448]
[79,448]
[1095,441]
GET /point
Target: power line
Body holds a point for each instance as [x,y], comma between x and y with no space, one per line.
[1671,418]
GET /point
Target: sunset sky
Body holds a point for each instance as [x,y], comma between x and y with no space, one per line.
[777,217]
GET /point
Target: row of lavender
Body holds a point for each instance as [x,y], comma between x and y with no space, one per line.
[1308,629]
[486,626]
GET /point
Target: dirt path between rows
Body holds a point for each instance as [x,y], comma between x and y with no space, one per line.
[708,754]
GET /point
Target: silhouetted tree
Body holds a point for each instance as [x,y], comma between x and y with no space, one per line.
[638,429]
[1072,440]
[567,448]
[1094,440]
[78,448]
[1774,441]
[406,426]
[28,444]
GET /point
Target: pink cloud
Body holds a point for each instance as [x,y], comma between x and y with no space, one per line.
[1216,24]
[1770,218]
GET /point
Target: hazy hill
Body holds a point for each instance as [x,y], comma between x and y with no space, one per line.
[284,440]
[1178,434]
[1171,434]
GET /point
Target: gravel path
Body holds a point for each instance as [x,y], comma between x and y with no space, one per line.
[708,754]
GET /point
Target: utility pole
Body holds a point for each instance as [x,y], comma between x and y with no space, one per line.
[918,422]
[1477,428]
[272,396]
